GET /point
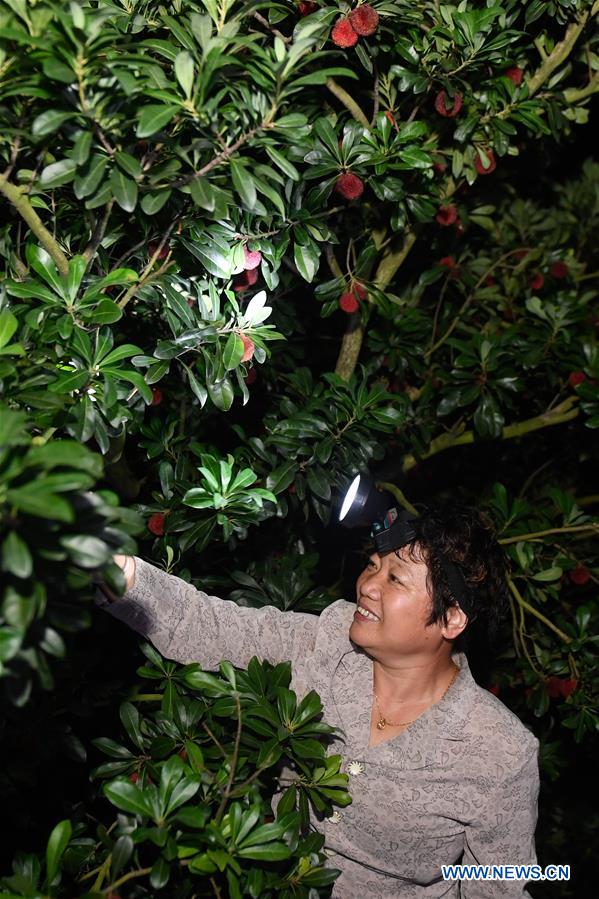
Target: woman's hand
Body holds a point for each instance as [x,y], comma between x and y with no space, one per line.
[127,563]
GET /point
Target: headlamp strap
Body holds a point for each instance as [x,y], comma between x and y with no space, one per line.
[397,529]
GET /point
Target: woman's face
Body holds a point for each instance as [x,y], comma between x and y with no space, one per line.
[393,608]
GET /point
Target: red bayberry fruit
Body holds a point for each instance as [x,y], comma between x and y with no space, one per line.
[306,9]
[490,281]
[580,575]
[520,254]
[349,186]
[156,523]
[494,689]
[349,303]
[253,258]
[364,20]
[442,107]
[248,348]
[491,164]
[576,377]
[440,167]
[134,777]
[251,376]
[447,215]
[292,488]
[190,301]
[153,247]
[343,35]
[156,396]
[560,686]
[515,74]
[559,270]
[537,281]
[447,261]
[244,280]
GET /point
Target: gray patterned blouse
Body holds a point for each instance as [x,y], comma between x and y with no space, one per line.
[459,785]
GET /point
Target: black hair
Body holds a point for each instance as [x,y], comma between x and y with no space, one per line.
[464,536]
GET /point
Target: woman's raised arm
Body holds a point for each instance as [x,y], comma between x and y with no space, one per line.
[187,625]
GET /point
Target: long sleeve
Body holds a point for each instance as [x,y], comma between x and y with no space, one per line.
[503,832]
[187,625]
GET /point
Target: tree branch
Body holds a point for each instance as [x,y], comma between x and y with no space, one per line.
[575,94]
[98,233]
[561,51]
[220,157]
[557,416]
[536,535]
[348,101]
[527,606]
[353,337]
[21,203]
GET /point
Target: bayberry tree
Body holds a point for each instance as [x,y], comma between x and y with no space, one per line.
[250,249]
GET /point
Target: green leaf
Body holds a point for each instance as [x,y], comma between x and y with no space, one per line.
[243,184]
[153,118]
[488,418]
[82,147]
[124,190]
[184,72]
[58,173]
[132,723]
[202,194]
[280,479]
[8,326]
[86,184]
[16,557]
[152,203]
[286,167]
[222,394]
[32,499]
[57,843]
[128,797]
[233,351]
[49,121]
[306,260]
[160,873]
[86,550]
[271,852]
[550,574]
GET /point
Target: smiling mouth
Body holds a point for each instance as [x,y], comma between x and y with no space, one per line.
[366,613]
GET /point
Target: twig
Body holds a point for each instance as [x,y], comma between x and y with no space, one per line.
[536,535]
[561,51]
[353,337]
[399,496]
[98,233]
[266,23]
[220,157]
[348,101]
[139,872]
[21,203]
[458,437]
[526,605]
[574,94]
[232,764]
[465,305]
[147,272]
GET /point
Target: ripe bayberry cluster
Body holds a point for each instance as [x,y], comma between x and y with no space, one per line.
[363,21]
[249,275]
[349,186]
[350,300]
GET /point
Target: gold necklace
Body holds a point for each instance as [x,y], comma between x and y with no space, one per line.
[382,723]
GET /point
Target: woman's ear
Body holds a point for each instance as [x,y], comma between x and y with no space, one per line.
[456,621]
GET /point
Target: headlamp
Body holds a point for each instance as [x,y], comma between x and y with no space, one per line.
[392,528]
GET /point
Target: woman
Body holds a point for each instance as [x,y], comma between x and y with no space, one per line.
[440,771]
